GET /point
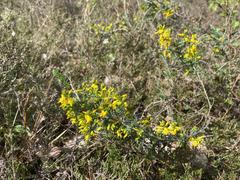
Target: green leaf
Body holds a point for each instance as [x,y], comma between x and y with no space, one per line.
[213,6]
[61,78]
[235,24]
[20,129]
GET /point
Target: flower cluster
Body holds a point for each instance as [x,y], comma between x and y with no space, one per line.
[196,141]
[102,28]
[168,10]
[167,128]
[164,39]
[191,41]
[66,101]
[168,13]
[96,109]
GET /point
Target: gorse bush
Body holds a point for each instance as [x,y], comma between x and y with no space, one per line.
[186,46]
[96,110]
[101,113]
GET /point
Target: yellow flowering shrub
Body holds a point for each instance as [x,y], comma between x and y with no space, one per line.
[188,44]
[164,39]
[94,108]
[183,46]
[99,111]
[191,51]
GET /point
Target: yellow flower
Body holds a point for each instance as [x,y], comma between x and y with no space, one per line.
[111,126]
[145,121]
[108,28]
[65,100]
[71,115]
[216,50]
[108,127]
[88,118]
[125,105]
[94,86]
[168,13]
[116,103]
[124,97]
[165,131]
[196,141]
[167,128]
[173,129]
[181,34]
[139,133]
[122,133]
[164,39]
[191,52]
[103,114]
[87,137]
[193,39]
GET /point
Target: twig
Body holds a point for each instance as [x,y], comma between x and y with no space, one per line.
[60,135]
[205,93]
[209,103]
[74,90]
[15,117]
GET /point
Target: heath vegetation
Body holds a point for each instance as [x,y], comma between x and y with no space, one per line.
[109,89]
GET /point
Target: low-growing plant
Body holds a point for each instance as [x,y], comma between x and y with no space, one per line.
[100,112]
